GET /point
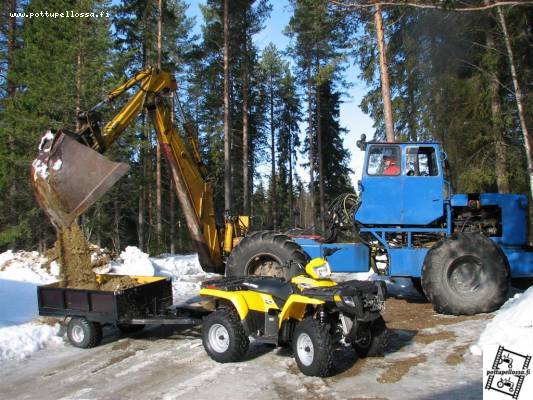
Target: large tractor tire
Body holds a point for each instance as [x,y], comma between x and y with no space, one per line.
[465,274]
[265,254]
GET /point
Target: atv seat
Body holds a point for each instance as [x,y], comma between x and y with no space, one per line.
[276,287]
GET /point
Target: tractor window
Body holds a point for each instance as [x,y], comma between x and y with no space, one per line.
[421,161]
[384,160]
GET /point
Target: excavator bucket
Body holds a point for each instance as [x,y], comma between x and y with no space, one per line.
[68,177]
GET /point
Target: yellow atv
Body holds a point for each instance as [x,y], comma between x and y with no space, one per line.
[311,312]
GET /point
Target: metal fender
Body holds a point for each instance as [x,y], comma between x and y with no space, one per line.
[236,299]
[295,307]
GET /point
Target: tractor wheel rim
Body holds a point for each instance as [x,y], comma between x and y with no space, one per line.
[466,275]
[219,338]
[305,349]
[78,334]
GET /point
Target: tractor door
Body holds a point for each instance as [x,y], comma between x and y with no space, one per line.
[423,185]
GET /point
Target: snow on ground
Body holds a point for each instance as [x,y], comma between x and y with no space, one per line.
[20,333]
[512,327]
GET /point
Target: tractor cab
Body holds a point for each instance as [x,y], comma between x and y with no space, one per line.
[402,183]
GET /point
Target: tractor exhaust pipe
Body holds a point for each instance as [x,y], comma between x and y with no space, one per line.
[69,177]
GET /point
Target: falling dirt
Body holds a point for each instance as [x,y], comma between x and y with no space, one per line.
[395,370]
[75,259]
[73,252]
[457,356]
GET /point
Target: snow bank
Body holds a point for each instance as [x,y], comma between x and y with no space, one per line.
[512,327]
[185,270]
[20,273]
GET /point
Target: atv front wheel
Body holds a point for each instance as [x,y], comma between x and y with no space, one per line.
[373,341]
[313,348]
[265,254]
[223,336]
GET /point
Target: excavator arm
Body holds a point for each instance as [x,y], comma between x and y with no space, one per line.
[70,174]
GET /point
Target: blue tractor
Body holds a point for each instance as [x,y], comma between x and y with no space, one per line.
[460,250]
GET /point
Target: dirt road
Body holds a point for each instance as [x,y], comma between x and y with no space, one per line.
[427,358]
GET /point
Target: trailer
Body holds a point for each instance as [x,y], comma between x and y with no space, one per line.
[88,310]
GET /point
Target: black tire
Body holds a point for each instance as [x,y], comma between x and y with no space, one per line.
[417,285]
[265,254]
[374,340]
[313,348]
[128,328]
[222,322]
[83,333]
[465,274]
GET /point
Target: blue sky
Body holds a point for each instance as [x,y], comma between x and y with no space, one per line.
[351,116]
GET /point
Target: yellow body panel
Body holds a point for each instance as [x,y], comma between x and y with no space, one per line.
[244,300]
[303,282]
[295,307]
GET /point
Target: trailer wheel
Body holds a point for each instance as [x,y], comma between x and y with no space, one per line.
[129,328]
[313,347]
[373,341]
[223,336]
[83,333]
[265,254]
[465,274]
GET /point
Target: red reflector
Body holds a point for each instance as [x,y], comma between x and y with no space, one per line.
[211,287]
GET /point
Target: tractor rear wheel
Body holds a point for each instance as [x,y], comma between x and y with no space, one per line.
[265,254]
[465,274]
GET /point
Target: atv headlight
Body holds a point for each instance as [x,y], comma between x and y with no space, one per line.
[323,271]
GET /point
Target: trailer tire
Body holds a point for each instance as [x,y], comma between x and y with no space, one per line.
[265,254]
[223,336]
[313,348]
[83,333]
[466,274]
[375,343]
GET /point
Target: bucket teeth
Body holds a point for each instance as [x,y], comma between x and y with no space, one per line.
[69,177]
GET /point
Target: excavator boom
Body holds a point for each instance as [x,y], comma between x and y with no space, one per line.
[70,172]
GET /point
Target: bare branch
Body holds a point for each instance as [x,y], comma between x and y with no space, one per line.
[372,3]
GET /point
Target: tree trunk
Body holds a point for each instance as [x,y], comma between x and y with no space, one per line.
[519,99]
[319,146]
[158,205]
[227,127]
[11,43]
[311,147]
[172,222]
[245,139]
[291,188]
[500,163]
[142,189]
[274,206]
[384,72]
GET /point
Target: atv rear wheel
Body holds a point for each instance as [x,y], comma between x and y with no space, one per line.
[83,333]
[265,254]
[465,274]
[313,348]
[373,341]
[223,336]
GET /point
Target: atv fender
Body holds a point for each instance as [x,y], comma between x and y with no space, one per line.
[236,299]
[295,307]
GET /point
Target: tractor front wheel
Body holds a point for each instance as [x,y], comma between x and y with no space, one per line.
[465,274]
[265,254]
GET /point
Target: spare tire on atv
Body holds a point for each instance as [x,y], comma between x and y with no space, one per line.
[465,274]
[265,254]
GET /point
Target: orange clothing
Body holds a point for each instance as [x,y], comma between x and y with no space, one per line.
[392,169]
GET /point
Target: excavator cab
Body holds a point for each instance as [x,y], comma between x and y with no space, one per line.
[69,176]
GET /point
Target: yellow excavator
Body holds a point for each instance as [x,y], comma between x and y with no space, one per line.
[70,172]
